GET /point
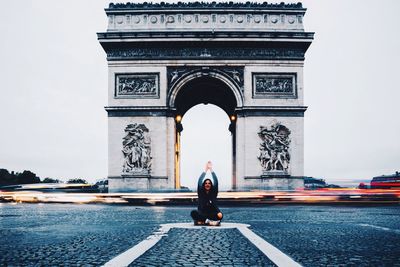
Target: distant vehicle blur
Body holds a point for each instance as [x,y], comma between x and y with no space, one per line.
[386,181]
[311,183]
[102,186]
[52,187]
[364,186]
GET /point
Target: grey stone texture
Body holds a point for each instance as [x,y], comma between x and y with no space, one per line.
[215,40]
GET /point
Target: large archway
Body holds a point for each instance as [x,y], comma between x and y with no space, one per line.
[204,88]
[165,58]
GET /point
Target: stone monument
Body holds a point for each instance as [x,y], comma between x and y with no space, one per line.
[246,58]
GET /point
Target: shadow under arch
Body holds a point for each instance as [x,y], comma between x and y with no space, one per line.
[204,87]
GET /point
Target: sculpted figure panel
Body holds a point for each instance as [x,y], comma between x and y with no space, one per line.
[274,148]
[274,85]
[136,150]
[137,86]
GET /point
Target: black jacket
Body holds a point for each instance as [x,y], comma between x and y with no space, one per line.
[207,202]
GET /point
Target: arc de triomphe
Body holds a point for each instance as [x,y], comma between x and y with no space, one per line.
[246,58]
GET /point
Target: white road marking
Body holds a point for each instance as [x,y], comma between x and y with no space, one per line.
[380,227]
[135,252]
[274,254]
[192,226]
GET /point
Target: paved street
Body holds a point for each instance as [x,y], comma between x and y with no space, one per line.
[91,235]
[188,247]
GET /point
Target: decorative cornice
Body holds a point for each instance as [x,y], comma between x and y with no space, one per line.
[271,111]
[160,108]
[268,111]
[139,111]
[210,35]
[203,5]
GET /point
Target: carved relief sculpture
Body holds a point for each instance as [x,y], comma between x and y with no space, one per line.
[235,74]
[274,148]
[137,86]
[200,53]
[280,85]
[136,150]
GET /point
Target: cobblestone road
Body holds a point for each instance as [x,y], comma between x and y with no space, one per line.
[331,236]
[91,235]
[189,247]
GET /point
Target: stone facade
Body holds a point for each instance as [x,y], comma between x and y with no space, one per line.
[251,58]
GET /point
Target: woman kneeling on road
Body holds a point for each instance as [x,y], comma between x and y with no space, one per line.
[207,212]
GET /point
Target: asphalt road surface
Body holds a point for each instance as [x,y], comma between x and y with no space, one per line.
[92,235]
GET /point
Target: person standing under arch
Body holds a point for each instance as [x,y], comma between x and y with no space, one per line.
[207,212]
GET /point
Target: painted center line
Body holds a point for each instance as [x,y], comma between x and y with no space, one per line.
[274,254]
[380,228]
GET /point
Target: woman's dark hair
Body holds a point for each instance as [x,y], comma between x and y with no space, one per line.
[213,190]
[204,183]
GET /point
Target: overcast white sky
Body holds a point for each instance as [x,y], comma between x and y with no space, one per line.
[53,80]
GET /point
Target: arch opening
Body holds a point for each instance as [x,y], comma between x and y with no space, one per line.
[206,89]
[206,137]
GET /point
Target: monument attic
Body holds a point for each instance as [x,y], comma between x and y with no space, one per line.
[246,58]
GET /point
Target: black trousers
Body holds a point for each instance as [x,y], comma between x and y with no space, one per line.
[200,216]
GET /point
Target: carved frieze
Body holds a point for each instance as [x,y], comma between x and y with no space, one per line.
[219,16]
[137,85]
[160,53]
[274,148]
[221,21]
[136,150]
[234,74]
[274,85]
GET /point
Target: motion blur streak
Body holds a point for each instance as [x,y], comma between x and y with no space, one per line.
[329,196]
